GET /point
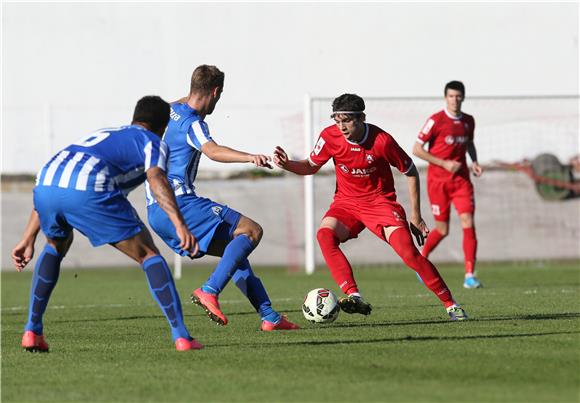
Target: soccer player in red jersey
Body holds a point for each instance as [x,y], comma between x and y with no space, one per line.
[449,134]
[365,198]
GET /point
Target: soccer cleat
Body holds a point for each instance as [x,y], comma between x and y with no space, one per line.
[33,342]
[456,313]
[209,302]
[472,282]
[183,344]
[354,304]
[283,324]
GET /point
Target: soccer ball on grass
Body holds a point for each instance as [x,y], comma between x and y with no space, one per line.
[320,306]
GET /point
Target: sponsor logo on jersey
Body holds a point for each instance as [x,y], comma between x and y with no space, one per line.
[343,168]
[362,171]
[318,147]
[370,159]
[216,210]
[456,139]
[354,149]
[428,126]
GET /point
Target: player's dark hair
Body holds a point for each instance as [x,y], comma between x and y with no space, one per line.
[205,78]
[455,85]
[154,111]
[348,102]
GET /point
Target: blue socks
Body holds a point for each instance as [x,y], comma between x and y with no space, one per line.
[44,279]
[163,291]
[254,290]
[235,253]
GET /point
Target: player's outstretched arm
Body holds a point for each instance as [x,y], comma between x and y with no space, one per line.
[301,167]
[23,252]
[166,199]
[475,167]
[220,153]
[418,226]
[449,165]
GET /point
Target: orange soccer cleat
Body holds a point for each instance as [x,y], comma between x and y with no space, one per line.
[34,342]
[283,324]
[183,344]
[209,302]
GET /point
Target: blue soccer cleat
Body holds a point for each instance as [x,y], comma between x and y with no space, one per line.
[472,282]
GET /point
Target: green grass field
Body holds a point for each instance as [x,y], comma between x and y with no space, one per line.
[109,341]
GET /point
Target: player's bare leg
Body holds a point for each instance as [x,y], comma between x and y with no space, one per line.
[469,250]
[45,277]
[142,249]
[436,235]
[330,234]
[401,241]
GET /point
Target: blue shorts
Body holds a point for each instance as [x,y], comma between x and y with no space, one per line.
[103,217]
[206,219]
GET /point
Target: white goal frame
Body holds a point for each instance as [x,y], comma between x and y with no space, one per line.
[309,136]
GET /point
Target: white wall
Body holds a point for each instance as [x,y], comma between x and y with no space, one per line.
[91,62]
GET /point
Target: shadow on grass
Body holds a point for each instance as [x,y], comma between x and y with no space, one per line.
[391,340]
[444,321]
[552,316]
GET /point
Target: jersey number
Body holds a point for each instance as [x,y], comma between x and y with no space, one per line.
[92,139]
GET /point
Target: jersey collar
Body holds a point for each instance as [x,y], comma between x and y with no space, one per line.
[364,137]
[450,116]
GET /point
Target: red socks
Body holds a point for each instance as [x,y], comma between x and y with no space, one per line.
[469,249]
[431,243]
[336,261]
[402,243]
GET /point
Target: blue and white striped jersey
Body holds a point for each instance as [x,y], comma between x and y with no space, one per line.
[185,134]
[109,160]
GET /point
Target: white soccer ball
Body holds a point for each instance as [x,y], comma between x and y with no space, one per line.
[320,306]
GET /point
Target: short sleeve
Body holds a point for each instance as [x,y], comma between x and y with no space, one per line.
[198,134]
[397,157]
[321,152]
[155,155]
[426,133]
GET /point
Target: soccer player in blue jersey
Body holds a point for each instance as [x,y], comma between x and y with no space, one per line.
[220,230]
[84,187]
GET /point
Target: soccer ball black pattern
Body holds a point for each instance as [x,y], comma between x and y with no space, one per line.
[320,306]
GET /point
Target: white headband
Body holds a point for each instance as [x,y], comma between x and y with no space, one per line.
[346,113]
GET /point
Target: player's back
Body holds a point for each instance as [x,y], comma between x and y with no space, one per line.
[185,134]
[109,160]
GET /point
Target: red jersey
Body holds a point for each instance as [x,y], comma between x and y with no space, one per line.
[448,138]
[363,169]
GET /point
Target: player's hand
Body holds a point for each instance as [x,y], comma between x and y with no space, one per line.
[23,253]
[261,161]
[280,157]
[419,230]
[188,240]
[451,166]
[477,169]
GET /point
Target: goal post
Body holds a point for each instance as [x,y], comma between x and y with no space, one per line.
[509,210]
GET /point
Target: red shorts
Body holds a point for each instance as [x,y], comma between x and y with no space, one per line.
[458,191]
[375,215]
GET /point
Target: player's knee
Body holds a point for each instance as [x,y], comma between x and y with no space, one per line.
[326,236]
[443,230]
[466,220]
[411,257]
[254,231]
